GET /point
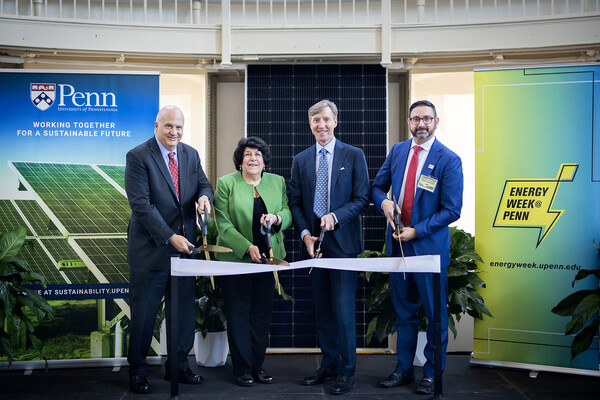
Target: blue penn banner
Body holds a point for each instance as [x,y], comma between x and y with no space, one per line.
[65,136]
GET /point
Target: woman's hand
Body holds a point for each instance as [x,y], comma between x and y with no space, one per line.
[273,218]
[255,254]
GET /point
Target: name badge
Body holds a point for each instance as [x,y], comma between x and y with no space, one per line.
[427,183]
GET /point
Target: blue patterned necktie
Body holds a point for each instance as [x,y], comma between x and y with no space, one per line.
[320,207]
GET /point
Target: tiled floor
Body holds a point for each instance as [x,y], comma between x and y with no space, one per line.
[461,381]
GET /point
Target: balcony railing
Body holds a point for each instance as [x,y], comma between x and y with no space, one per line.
[283,13]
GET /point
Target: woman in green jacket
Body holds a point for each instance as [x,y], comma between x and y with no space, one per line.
[245,201]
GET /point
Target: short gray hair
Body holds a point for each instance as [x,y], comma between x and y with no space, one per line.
[318,107]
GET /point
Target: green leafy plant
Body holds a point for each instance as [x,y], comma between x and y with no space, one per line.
[16,326]
[463,281]
[209,307]
[583,307]
[209,301]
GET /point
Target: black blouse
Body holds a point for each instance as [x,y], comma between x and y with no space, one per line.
[258,239]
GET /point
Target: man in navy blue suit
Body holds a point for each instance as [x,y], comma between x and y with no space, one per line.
[328,190]
[165,184]
[432,201]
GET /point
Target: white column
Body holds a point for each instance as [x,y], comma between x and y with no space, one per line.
[196,7]
[420,10]
[37,8]
[386,45]
[226,34]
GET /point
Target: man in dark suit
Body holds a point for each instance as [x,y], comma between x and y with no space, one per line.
[328,191]
[164,181]
[428,202]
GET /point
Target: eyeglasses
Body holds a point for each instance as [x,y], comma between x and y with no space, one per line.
[416,120]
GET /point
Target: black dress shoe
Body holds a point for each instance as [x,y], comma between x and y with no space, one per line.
[186,376]
[397,379]
[426,386]
[244,380]
[139,384]
[343,384]
[262,377]
[318,377]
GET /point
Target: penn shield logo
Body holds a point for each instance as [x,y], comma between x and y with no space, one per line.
[42,95]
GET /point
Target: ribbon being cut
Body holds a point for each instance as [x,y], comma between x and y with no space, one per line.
[196,267]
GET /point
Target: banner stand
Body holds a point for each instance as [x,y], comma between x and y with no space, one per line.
[533,368]
[536,211]
[74,363]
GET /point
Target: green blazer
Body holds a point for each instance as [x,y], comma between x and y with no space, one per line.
[234,203]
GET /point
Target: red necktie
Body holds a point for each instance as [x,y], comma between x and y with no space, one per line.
[409,187]
[174,172]
[175,176]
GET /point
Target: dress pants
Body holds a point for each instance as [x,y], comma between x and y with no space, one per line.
[406,294]
[146,290]
[334,295]
[248,308]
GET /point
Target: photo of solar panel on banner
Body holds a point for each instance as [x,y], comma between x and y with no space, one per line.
[77,224]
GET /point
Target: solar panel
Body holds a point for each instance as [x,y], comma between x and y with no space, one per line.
[115,172]
[62,251]
[36,257]
[37,218]
[109,255]
[278,99]
[10,218]
[84,200]
[81,199]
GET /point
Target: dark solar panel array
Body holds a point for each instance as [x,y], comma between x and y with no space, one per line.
[278,99]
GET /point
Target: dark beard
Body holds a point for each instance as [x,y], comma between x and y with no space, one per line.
[419,134]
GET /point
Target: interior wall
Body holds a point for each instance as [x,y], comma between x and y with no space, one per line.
[452,93]
[397,108]
[229,124]
[188,92]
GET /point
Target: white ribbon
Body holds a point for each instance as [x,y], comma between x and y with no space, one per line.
[196,267]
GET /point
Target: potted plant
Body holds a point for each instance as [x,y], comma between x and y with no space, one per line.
[211,346]
[582,306]
[463,281]
[16,326]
